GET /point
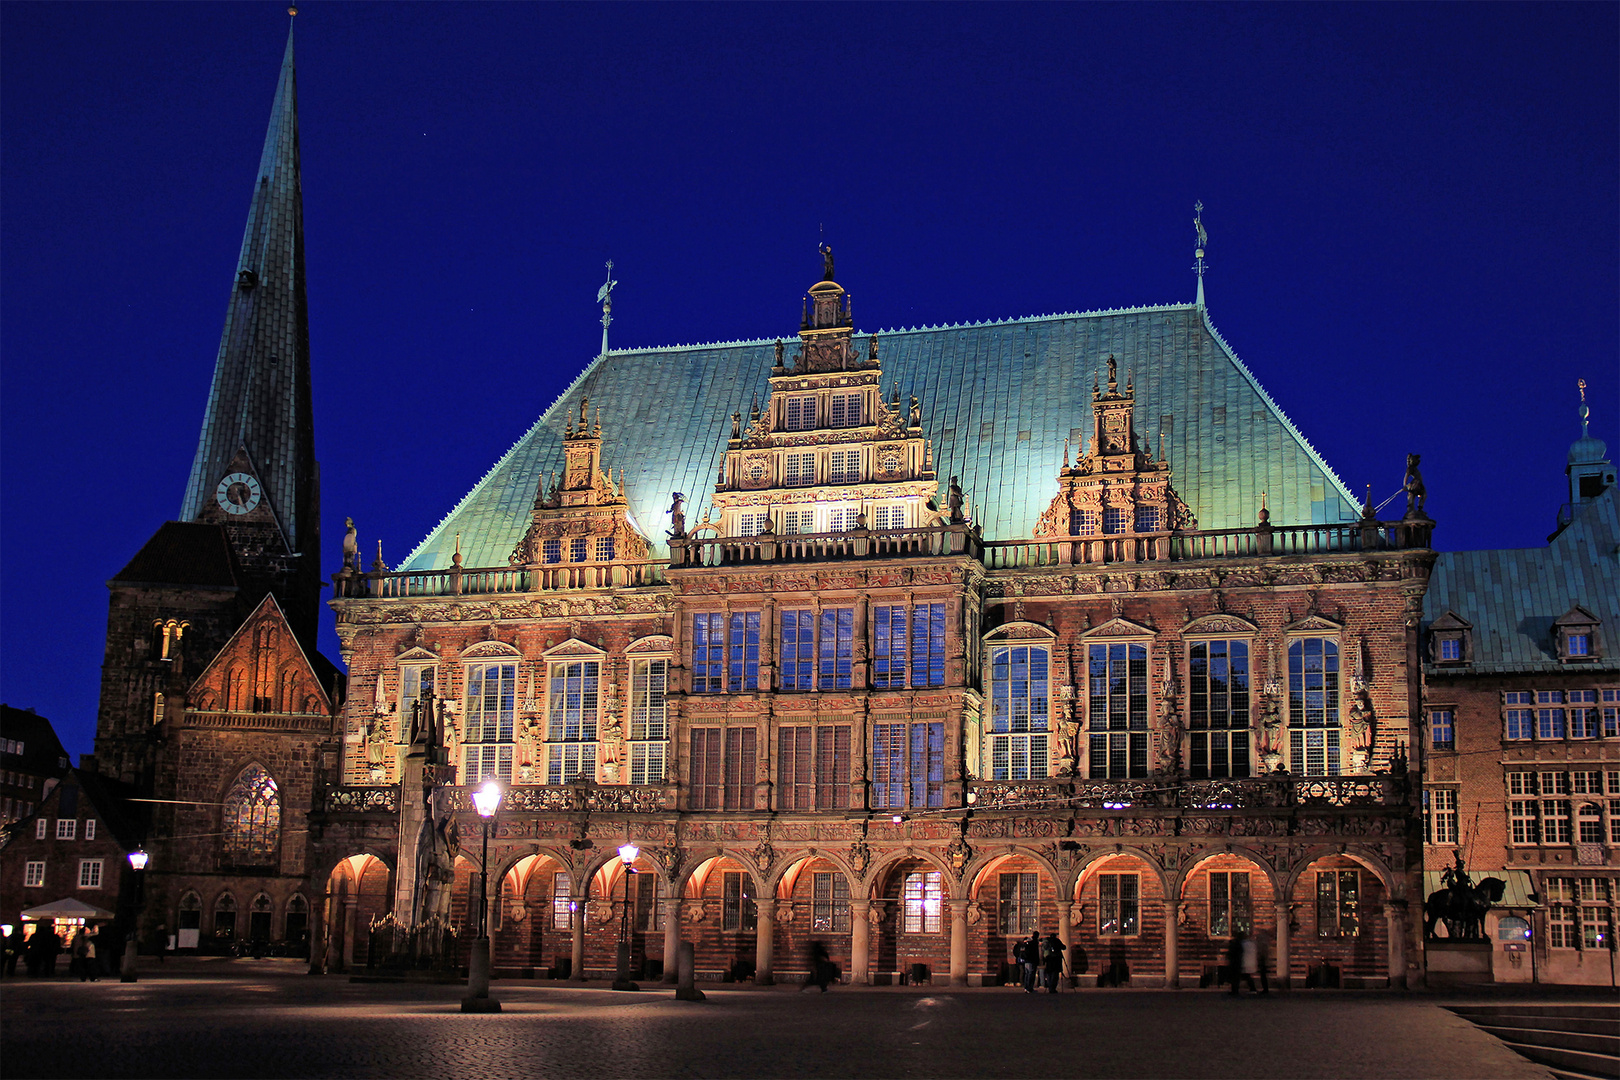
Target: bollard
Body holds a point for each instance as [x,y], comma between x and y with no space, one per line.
[685,991]
[622,981]
[478,999]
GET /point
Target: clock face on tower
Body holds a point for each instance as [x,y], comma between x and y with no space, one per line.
[238,493]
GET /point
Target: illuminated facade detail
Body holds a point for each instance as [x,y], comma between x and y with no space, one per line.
[251,819]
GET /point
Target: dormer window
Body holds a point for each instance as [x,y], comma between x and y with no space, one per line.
[1451,640]
[1576,638]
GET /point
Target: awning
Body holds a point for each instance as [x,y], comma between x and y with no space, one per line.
[66,909]
[1516,895]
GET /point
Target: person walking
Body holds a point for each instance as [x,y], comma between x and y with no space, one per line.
[1263,961]
[78,953]
[94,956]
[1240,960]
[1032,960]
[1052,961]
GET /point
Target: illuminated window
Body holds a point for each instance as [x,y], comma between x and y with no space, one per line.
[842,518]
[562,903]
[1218,704]
[845,410]
[571,721]
[1019,707]
[1119,904]
[738,910]
[1313,706]
[491,711]
[1117,693]
[252,819]
[846,467]
[66,828]
[1020,903]
[1338,896]
[1450,649]
[157,708]
[889,517]
[829,906]
[922,902]
[814,767]
[1230,913]
[800,470]
[34,874]
[801,413]
[919,643]
[415,685]
[751,524]
[649,724]
[908,765]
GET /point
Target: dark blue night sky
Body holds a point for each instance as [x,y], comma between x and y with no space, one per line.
[1412,214]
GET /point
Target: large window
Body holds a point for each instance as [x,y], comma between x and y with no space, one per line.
[1440,815]
[725,652]
[908,765]
[1522,815]
[650,912]
[738,910]
[251,819]
[1549,714]
[1520,720]
[829,905]
[1338,896]
[416,683]
[845,410]
[571,708]
[814,768]
[801,413]
[845,467]
[909,646]
[649,721]
[1117,693]
[1554,789]
[1230,912]
[225,917]
[1313,706]
[1218,708]
[562,901]
[89,873]
[491,711]
[1019,706]
[921,903]
[800,470]
[723,768]
[1020,904]
[34,874]
[817,650]
[1119,906]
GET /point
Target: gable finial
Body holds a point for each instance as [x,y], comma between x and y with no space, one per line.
[1199,265]
[604,296]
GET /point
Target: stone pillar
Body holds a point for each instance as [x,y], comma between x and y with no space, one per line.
[1283,962]
[577,925]
[764,940]
[1172,945]
[672,939]
[1395,921]
[351,909]
[319,928]
[959,946]
[1066,935]
[860,938]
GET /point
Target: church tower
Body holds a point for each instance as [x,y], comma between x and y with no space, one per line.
[254,471]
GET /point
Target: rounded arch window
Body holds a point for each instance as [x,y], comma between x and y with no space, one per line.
[252,819]
[1513,928]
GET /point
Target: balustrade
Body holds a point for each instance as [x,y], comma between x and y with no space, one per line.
[1266,792]
[539,577]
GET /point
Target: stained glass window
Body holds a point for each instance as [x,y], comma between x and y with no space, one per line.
[252,818]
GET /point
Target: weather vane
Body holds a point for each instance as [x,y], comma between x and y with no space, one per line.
[604,296]
[1198,253]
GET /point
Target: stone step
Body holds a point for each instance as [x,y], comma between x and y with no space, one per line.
[1596,1012]
[1570,1062]
[1589,1043]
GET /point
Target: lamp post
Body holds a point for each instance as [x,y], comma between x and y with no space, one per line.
[486,801]
[627,856]
[137,862]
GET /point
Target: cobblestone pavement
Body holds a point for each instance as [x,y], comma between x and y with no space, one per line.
[264,1019]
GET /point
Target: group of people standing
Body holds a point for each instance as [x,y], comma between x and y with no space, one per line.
[1041,959]
[86,957]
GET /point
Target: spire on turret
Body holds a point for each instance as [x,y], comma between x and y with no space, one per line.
[1589,470]
[256,450]
[1198,253]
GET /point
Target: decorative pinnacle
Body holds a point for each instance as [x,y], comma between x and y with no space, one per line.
[1586,412]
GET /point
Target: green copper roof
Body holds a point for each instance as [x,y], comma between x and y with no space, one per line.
[1511,597]
[998,400]
[260,397]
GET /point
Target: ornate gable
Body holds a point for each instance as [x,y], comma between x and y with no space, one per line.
[1119,628]
[581,517]
[262,669]
[1021,631]
[416,654]
[486,650]
[1219,625]
[653,643]
[1313,623]
[573,648]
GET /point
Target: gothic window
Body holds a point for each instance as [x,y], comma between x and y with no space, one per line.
[723,768]
[922,902]
[829,905]
[649,723]
[1019,708]
[814,767]
[800,470]
[1020,904]
[1218,708]
[252,819]
[259,914]
[846,467]
[1117,695]
[919,642]
[572,706]
[297,925]
[1338,896]
[1229,910]
[287,690]
[1313,706]
[738,910]
[801,413]
[190,912]
[225,917]
[236,690]
[1440,815]
[490,712]
[1119,904]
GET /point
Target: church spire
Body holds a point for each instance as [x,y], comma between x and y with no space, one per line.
[257,444]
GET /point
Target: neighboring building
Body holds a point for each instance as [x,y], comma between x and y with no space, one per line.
[1522,702]
[75,847]
[214,702]
[31,761]
[958,634]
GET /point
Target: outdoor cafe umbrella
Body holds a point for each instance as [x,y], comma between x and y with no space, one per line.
[67,909]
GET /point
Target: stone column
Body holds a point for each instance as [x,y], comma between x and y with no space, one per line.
[1395,921]
[351,909]
[1283,962]
[1066,935]
[319,928]
[764,940]
[672,937]
[1172,945]
[860,938]
[577,925]
[959,961]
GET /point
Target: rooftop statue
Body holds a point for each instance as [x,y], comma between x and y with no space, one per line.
[826,262]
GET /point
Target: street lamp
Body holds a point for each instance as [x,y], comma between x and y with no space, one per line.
[486,801]
[627,856]
[137,862]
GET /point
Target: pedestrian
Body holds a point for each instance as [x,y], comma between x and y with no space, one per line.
[821,966]
[1052,961]
[78,953]
[1240,960]
[95,956]
[51,948]
[1032,960]
[160,941]
[1263,958]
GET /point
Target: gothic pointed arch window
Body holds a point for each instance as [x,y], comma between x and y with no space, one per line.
[252,820]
